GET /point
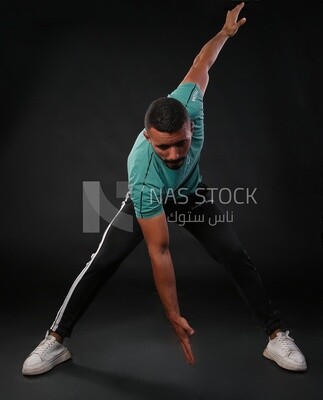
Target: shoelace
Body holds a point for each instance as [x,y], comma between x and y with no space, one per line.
[287,341]
[44,346]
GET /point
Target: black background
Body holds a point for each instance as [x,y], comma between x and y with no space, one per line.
[76,78]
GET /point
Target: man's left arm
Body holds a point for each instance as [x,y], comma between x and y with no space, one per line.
[199,71]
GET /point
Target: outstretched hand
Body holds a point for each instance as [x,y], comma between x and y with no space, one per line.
[232,24]
[183,332]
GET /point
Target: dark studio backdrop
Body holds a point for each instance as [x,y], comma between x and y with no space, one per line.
[76,78]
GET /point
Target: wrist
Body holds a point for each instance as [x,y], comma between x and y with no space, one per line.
[173,316]
[223,34]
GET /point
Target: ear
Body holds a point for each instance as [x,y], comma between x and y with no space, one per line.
[146,135]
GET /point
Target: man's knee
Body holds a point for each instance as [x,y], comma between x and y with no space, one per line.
[101,264]
[236,257]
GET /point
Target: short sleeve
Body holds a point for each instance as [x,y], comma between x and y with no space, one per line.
[191,96]
[146,200]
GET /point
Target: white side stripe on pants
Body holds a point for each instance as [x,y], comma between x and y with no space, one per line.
[87,266]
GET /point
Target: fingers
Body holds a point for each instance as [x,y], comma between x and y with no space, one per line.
[236,10]
[184,324]
[242,22]
[187,350]
[232,24]
[239,6]
[184,332]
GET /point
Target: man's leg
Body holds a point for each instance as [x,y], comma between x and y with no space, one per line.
[224,246]
[115,246]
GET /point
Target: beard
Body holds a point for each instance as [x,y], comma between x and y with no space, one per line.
[175,164]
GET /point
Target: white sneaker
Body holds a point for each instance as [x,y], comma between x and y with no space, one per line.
[46,355]
[283,350]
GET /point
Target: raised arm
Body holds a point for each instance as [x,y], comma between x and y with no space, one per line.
[155,231]
[199,71]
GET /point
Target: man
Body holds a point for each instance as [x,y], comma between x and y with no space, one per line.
[164,159]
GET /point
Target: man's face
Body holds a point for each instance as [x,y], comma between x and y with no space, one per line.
[173,147]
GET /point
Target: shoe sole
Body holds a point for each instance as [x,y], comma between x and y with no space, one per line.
[271,356]
[66,355]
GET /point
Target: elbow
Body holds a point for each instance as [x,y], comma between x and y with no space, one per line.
[159,250]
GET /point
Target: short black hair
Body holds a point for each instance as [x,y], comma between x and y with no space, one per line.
[166,114]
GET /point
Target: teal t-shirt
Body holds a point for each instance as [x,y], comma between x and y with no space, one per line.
[150,181]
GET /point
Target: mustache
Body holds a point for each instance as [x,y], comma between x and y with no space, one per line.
[174,161]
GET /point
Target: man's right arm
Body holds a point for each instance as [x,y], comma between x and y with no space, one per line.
[155,231]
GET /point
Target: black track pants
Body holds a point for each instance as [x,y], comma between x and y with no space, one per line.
[219,240]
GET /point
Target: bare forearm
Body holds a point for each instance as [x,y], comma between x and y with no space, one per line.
[199,70]
[210,51]
[155,231]
[164,277]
